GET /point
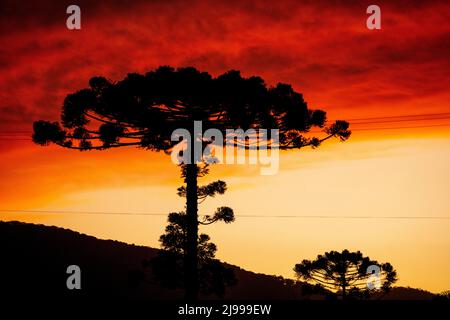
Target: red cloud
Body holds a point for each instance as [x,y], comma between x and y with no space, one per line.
[323,49]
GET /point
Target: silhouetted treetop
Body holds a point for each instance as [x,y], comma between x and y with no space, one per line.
[144,110]
[346,273]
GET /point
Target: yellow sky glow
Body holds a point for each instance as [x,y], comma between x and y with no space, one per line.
[393,176]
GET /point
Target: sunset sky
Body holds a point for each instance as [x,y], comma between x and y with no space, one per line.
[384,192]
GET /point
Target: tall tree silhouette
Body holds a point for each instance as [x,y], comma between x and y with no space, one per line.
[346,273]
[144,111]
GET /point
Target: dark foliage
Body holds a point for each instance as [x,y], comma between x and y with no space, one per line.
[345,273]
[168,265]
[144,110]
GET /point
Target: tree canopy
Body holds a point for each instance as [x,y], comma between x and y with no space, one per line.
[144,110]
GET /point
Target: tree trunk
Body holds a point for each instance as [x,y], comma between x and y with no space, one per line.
[190,262]
[344,286]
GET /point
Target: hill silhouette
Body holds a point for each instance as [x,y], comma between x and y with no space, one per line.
[34,259]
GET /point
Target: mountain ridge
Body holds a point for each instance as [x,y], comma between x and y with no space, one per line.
[35,258]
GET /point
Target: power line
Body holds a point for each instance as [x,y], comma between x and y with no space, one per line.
[393,128]
[373,120]
[399,120]
[441,114]
[313,131]
[352,129]
[25,136]
[239,216]
[404,127]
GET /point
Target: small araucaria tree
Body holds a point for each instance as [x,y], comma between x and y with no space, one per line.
[348,274]
[144,110]
[167,267]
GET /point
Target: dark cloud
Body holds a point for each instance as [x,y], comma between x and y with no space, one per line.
[322,48]
[17,16]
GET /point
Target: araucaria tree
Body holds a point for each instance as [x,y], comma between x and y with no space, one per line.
[167,267]
[144,111]
[347,273]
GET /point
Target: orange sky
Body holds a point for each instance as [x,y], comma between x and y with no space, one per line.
[324,50]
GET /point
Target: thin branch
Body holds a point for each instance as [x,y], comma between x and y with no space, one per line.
[85,138]
[307,144]
[97,138]
[100,147]
[98,119]
[206,223]
[328,284]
